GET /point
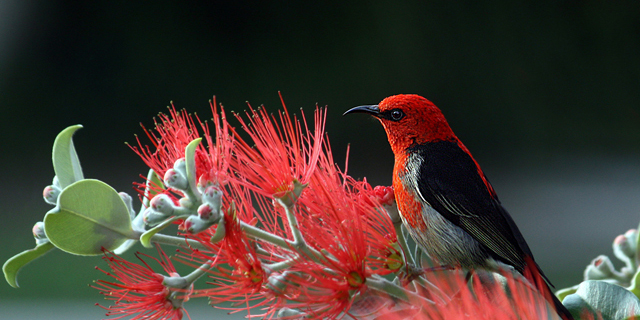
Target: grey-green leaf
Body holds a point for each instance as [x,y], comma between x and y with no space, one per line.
[65,159]
[90,216]
[15,263]
[611,301]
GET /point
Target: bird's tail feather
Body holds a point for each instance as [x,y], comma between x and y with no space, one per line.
[534,275]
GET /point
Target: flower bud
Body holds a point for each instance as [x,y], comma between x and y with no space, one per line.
[204,182]
[162,203]
[213,196]
[623,249]
[193,225]
[176,180]
[180,166]
[151,217]
[599,269]
[185,202]
[50,194]
[38,233]
[208,213]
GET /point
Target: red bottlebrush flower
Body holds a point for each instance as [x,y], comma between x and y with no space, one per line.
[238,273]
[489,300]
[173,132]
[139,291]
[329,219]
[283,152]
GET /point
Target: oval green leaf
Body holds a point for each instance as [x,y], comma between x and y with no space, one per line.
[90,216]
[65,159]
[15,263]
[609,300]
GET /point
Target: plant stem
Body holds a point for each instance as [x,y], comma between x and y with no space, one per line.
[176,241]
[384,285]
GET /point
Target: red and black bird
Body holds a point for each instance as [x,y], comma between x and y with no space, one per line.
[445,200]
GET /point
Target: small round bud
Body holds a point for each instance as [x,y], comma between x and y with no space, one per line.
[204,181]
[163,204]
[151,217]
[208,213]
[599,269]
[50,194]
[185,202]
[176,180]
[38,233]
[181,166]
[193,225]
[213,196]
[622,248]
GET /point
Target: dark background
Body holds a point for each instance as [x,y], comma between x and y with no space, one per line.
[546,94]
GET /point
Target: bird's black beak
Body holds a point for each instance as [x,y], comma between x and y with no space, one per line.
[372,110]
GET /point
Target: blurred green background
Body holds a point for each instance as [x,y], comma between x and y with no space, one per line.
[546,94]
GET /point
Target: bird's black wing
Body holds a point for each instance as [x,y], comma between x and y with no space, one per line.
[451,182]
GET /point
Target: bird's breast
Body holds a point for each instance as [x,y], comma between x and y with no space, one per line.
[441,239]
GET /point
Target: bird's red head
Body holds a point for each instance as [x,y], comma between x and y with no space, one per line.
[409,119]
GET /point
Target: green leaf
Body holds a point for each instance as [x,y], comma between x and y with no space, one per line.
[145,238]
[15,263]
[190,159]
[65,159]
[90,215]
[611,301]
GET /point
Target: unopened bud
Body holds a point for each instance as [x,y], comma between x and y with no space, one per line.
[622,248]
[208,213]
[50,194]
[204,182]
[176,180]
[213,196]
[162,203]
[181,166]
[38,233]
[599,269]
[193,225]
[151,217]
[185,202]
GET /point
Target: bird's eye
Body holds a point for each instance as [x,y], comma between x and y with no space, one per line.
[396,114]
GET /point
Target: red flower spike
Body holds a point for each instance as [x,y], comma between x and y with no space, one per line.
[487,301]
[283,152]
[173,132]
[138,291]
[238,274]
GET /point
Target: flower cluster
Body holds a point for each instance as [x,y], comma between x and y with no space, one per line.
[272,223]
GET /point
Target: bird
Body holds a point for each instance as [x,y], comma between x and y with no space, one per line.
[444,198]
